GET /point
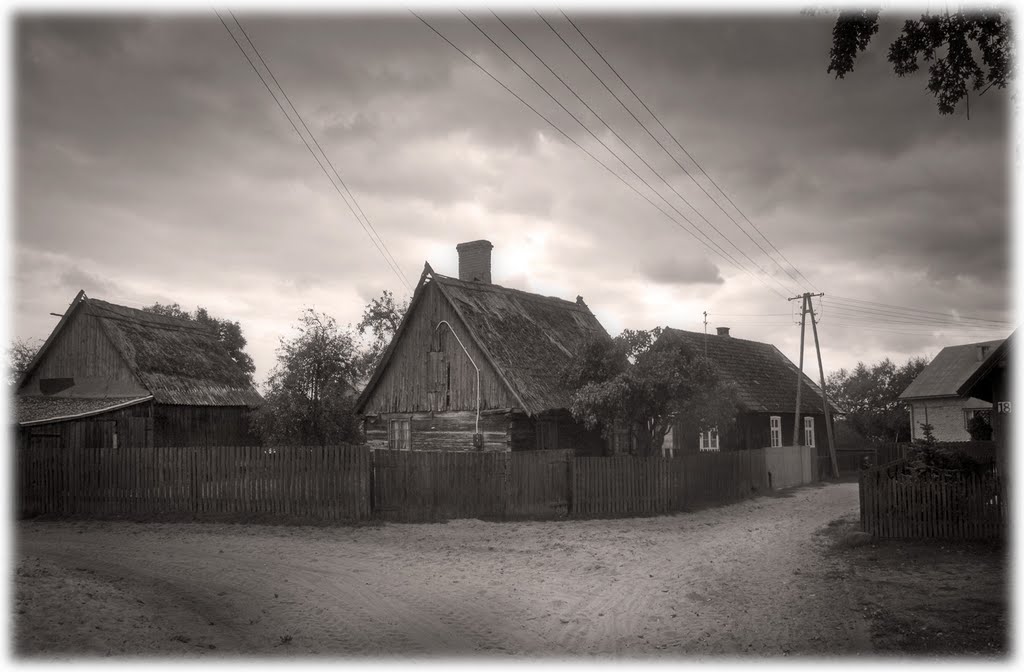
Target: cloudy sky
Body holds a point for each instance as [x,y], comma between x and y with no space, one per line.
[151,165]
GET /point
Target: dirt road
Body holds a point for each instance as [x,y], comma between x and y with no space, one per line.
[745,579]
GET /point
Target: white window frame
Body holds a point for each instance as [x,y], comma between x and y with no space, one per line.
[809,431]
[709,440]
[775,427]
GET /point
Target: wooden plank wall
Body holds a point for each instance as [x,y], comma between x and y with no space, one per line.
[790,466]
[958,507]
[323,483]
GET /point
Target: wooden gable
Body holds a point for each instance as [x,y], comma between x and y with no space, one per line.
[80,360]
[428,370]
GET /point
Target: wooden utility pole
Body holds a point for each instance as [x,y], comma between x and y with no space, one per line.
[800,376]
[705,333]
[824,395]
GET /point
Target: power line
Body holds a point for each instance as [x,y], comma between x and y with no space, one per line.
[603,144]
[394,268]
[857,313]
[329,162]
[628,146]
[678,144]
[885,307]
[572,140]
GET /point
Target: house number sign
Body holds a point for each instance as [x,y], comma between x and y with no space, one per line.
[1002,407]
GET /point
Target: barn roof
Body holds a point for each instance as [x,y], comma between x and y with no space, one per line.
[179,361]
[950,369]
[527,338]
[764,378]
[36,410]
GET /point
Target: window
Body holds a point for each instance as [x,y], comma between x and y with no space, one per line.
[709,439]
[776,431]
[398,434]
[808,431]
[971,413]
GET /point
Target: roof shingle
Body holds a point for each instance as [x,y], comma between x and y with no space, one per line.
[764,378]
[948,371]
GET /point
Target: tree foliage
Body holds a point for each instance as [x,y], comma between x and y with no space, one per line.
[309,394]
[869,397]
[639,382]
[980,428]
[950,43]
[19,356]
[228,333]
[380,322]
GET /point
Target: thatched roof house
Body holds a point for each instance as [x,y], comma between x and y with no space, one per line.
[474,358]
[103,360]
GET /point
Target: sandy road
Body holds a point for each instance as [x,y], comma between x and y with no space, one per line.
[745,579]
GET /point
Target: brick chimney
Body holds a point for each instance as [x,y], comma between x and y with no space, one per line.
[982,352]
[723,331]
[475,261]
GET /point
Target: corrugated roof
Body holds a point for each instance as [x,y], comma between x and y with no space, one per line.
[764,378]
[31,410]
[948,371]
[528,337]
[179,361]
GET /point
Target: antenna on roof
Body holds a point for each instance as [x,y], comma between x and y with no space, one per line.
[705,333]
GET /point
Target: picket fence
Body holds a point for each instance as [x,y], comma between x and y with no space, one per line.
[946,506]
[327,483]
[351,483]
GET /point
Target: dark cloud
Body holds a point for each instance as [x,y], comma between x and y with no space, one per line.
[151,162]
[672,272]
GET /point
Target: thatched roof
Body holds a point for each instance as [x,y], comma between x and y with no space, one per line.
[527,338]
[178,361]
[764,378]
[945,374]
[35,410]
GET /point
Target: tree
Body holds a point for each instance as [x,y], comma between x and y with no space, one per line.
[309,394]
[19,356]
[639,382]
[228,333]
[947,41]
[869,397]
[381,319]
[980,428]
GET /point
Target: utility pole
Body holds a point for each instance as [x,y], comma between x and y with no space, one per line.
[807,307]
[800,376]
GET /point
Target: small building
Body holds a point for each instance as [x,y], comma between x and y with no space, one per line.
[477,366]
[765,381]
[990,383]
[934,397]
[110,376]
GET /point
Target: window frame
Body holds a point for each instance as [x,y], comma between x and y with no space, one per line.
[809,439]
[775,431]
[970,413]
[404,440]
[708,440]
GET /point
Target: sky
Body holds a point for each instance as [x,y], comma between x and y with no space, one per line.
[151,164]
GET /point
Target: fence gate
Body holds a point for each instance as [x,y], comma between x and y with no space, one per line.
[538,485]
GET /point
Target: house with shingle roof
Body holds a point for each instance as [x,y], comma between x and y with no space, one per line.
[765,381]
[935,398]
[110,375]
[476,366]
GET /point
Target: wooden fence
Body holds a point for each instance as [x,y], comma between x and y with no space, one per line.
[628,485]
[328,483]
[960,506]
[350,483]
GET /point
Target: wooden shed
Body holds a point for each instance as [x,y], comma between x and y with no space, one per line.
[109,375]
[477,366]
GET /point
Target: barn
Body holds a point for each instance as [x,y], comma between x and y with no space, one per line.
[477,366]
[110,376]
